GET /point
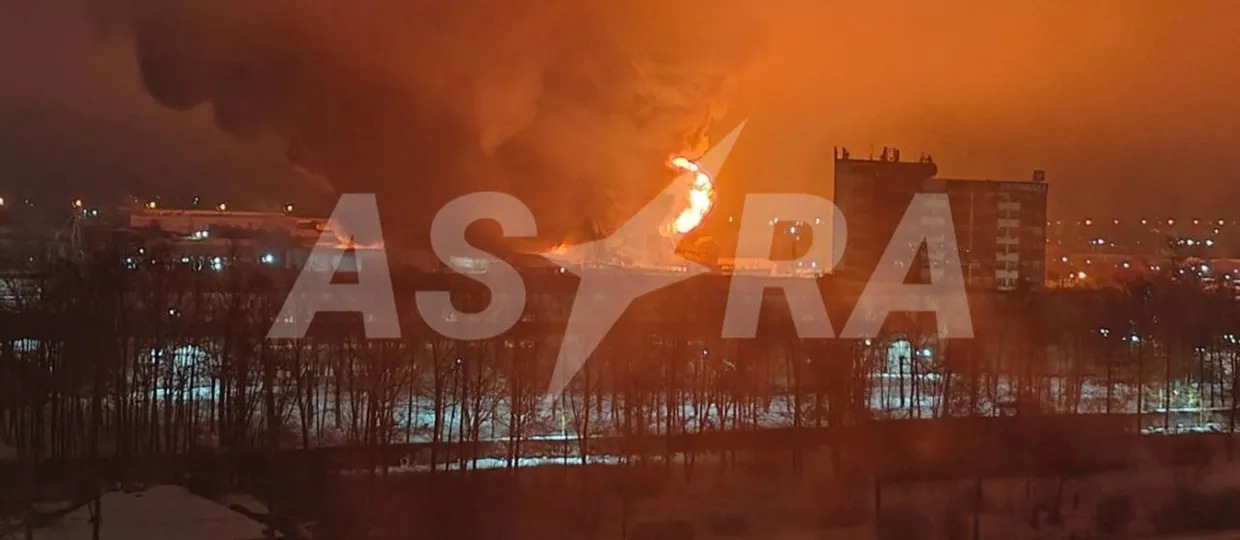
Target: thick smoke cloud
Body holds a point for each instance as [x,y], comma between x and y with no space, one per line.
[572,106]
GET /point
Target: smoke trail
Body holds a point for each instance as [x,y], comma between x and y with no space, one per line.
[572,106]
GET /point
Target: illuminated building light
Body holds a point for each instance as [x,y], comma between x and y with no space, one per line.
[77,203]
[222,207]
[268,258]
[1081,275]
[217,264]
[1209,243]
[1089,222]
[288,208]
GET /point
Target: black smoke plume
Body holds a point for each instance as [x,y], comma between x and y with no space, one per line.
[573,106]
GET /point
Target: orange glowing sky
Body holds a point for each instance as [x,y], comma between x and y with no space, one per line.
[1130,106]
[1122,103]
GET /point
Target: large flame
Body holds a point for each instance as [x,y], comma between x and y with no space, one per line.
[701,196]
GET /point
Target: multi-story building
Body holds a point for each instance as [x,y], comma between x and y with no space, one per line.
[1000,231]
[1000,226]
[873,195]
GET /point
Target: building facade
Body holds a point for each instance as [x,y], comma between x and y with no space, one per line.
[999,226]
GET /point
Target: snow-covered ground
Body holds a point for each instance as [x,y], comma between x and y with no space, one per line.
[158,513]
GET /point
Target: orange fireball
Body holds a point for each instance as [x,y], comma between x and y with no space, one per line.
[700,198]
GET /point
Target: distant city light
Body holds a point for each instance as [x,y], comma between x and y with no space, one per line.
[196,200]
[217,264]
[1089,222]
[221,207]
[151,205]
[1105,332]
[184,259]
[1170,222]
[1081,275]
[288,208]
[77,203]
[1222,222]
[1126,265]
[1115,221]
[1134,338]
[1209,243]
[1204,269]
[1,201]
[1064,259]
[1145,221]
[268,258]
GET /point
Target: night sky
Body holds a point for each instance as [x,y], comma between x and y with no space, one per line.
[1132,108]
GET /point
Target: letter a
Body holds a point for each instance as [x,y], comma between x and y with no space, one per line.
[928,220]
[356,221]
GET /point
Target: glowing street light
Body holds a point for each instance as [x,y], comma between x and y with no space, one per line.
[288,208]
[151,205]
[222,207]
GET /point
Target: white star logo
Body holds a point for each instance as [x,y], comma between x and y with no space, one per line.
[605,293]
